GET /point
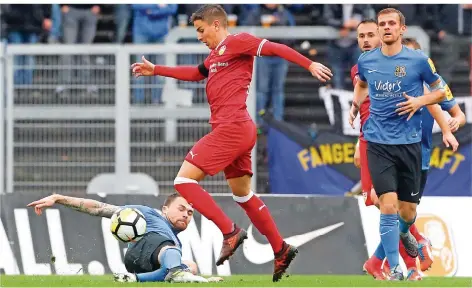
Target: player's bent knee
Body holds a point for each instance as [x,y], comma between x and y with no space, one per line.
[163,249]
[192,266]
[388,208]
[388,203]
[243,199]
[407,211]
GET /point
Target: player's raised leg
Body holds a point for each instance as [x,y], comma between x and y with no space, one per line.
[238,175]
[186,183]
[208,156]
[260,216]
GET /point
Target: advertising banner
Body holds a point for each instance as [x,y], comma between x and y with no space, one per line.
[307,161]
[445,221]
[327,231]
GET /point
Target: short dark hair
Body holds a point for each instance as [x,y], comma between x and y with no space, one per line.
[367,21]
[171,198]
[392,10]
[209,13]
[412,42]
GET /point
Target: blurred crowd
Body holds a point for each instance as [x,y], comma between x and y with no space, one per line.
[150,23]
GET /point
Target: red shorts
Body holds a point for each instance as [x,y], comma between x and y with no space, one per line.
[366,181]
[226,148]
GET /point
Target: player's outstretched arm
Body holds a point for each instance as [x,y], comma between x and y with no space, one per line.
[448,137]
[316,69]
[185,73]
[89,206]
[361,90]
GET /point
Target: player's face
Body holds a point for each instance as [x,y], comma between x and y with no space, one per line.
[179,213]
[206,33]
[411,46]
[390,29]
[368,36]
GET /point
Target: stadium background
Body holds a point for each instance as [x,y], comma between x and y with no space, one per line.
[75,122]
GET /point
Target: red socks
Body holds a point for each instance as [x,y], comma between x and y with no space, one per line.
[254,207]
[409,261]
[203,203]
[261,218]
[414,231]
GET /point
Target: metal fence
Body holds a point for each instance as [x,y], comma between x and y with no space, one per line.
[75,112]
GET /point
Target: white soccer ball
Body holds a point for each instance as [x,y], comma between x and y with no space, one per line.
[128,225]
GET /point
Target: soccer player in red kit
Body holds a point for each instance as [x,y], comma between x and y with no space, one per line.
[228,146]
[368,39]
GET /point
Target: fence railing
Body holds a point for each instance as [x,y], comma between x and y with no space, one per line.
[69,119]
[298,32]
[73,112]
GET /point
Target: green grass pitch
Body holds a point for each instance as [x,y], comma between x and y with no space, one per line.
[233,281]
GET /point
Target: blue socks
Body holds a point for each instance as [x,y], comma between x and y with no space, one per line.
[380,252]
[155,276]
[389,237]
[405,226]
[171,258]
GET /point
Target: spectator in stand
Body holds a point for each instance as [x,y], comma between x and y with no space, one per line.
[343,52]
[25,25]
[2,26]
[79,24]
[296,8]
[453,22]
[56,29]
[151,23]
[241,10]
[271,72]
[122,17]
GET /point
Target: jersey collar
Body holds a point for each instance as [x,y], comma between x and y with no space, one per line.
[221,42]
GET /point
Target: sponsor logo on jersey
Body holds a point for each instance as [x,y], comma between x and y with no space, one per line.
[400,71]
[388,87]
[222,50]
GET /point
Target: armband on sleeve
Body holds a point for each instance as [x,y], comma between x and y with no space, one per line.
[203,70]
[440,86]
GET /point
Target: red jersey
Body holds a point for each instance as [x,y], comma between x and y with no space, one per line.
[364,109]
[230,67]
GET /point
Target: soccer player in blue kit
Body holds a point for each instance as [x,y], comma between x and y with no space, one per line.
[428,114]
[157,256]
[393,130]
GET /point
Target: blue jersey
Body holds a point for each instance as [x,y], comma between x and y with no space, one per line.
[157,223]
[388,77]
[427,125]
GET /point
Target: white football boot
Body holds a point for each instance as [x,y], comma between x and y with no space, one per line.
[125,277]
[182,276]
